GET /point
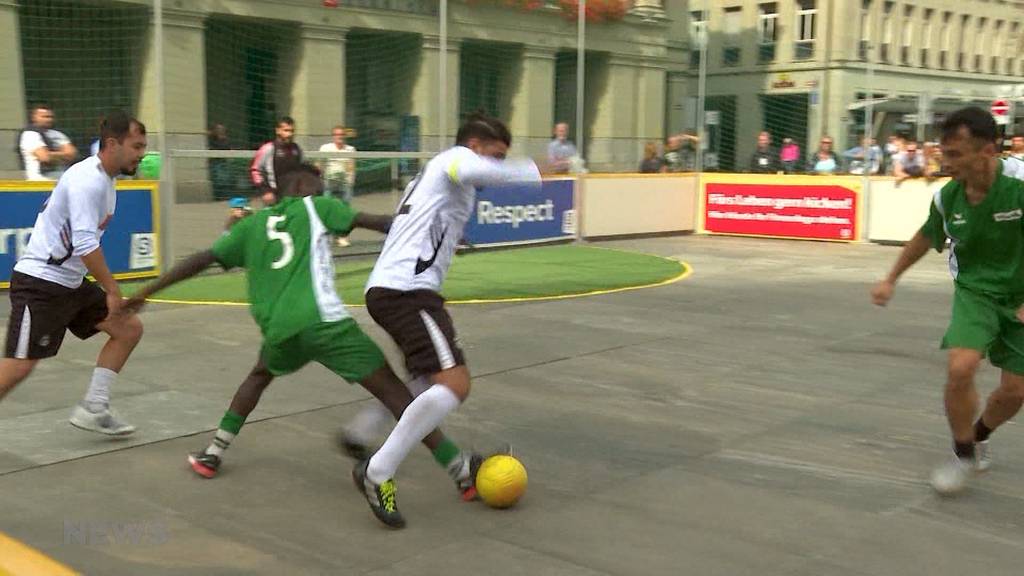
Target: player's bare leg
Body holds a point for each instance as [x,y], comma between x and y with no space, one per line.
[961,399]
[93,413]
[1003,404]
[12,372]
[207,462]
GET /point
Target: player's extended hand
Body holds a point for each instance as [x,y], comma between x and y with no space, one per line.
[133,305]
[115,305]
[882,293]
[1020,314]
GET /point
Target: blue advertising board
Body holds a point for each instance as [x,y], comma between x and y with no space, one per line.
[129,242]
[519,214]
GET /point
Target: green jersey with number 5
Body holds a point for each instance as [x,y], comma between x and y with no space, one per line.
[286,251]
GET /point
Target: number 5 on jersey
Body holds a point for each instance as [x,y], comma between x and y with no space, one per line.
[288,248]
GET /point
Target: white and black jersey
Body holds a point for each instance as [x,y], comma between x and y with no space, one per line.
[1013,167]
[70,225]
[433,213]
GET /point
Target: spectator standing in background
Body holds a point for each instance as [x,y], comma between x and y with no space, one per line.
[43,150]
[932,161]
[824,161]
[908,164]
[1017,147]
[651,163]
[220,169]
[339,173]
[765,159]
[681,153]
[893,146]
[789,156]
[864,159]
[561,150]
[275,159]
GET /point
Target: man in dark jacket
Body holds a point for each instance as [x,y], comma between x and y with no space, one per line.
[765,159]
[276,158]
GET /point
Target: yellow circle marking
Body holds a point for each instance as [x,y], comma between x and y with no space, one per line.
[17,559]
[686,273]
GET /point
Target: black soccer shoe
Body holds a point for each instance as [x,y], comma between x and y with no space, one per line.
[204,464]
[381,497]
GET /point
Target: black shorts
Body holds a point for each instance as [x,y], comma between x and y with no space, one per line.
[41,312]
[419,324]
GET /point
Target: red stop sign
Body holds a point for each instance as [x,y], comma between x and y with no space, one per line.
[1000,107]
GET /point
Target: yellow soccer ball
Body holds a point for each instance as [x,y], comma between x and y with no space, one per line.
[501,481]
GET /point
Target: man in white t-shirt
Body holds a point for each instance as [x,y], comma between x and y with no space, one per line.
[49,293]
[45,152]
[909,163]
[339,173]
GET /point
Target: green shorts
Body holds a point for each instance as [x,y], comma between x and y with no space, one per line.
[341,347]
[988,324]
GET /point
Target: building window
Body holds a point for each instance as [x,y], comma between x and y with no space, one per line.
[945,36]
[979,44]
[994,46]
[887,32]
[907,35]
[698,36]
[732,54]
[865,30]
[767,24]
[1011,48]
[961,57]
[926,36]
[806,21]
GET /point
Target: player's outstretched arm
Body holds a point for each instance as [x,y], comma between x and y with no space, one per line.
[377,222]
[188,268]
[912,252]
[480,172]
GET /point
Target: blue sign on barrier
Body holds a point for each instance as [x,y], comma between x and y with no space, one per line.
[522,215]
[129,242]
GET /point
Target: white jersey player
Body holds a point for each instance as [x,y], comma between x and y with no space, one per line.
[49,293]
[403,293]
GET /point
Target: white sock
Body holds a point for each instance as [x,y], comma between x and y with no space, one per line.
[221,440]
[369,423]
[375,419]
[98,396]
[425,413]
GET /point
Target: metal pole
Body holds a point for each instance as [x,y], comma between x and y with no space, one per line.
[442,105]
[869,132]
[702,80]
[581,61]
[166,252]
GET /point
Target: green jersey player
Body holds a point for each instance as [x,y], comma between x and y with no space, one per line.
[980,213]
[286,251]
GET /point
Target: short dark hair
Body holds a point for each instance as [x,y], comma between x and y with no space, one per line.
[117,125]
[39,106]
[979,123]
[483,127]
[286,120]
[302,181]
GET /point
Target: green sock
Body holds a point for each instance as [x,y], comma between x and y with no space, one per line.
[232,422]
[446,452]
[230,425]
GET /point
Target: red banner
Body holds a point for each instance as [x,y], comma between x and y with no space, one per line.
[821,212]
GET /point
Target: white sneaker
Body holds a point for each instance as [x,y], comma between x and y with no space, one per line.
[982,457]
[952,476]
[104,421]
